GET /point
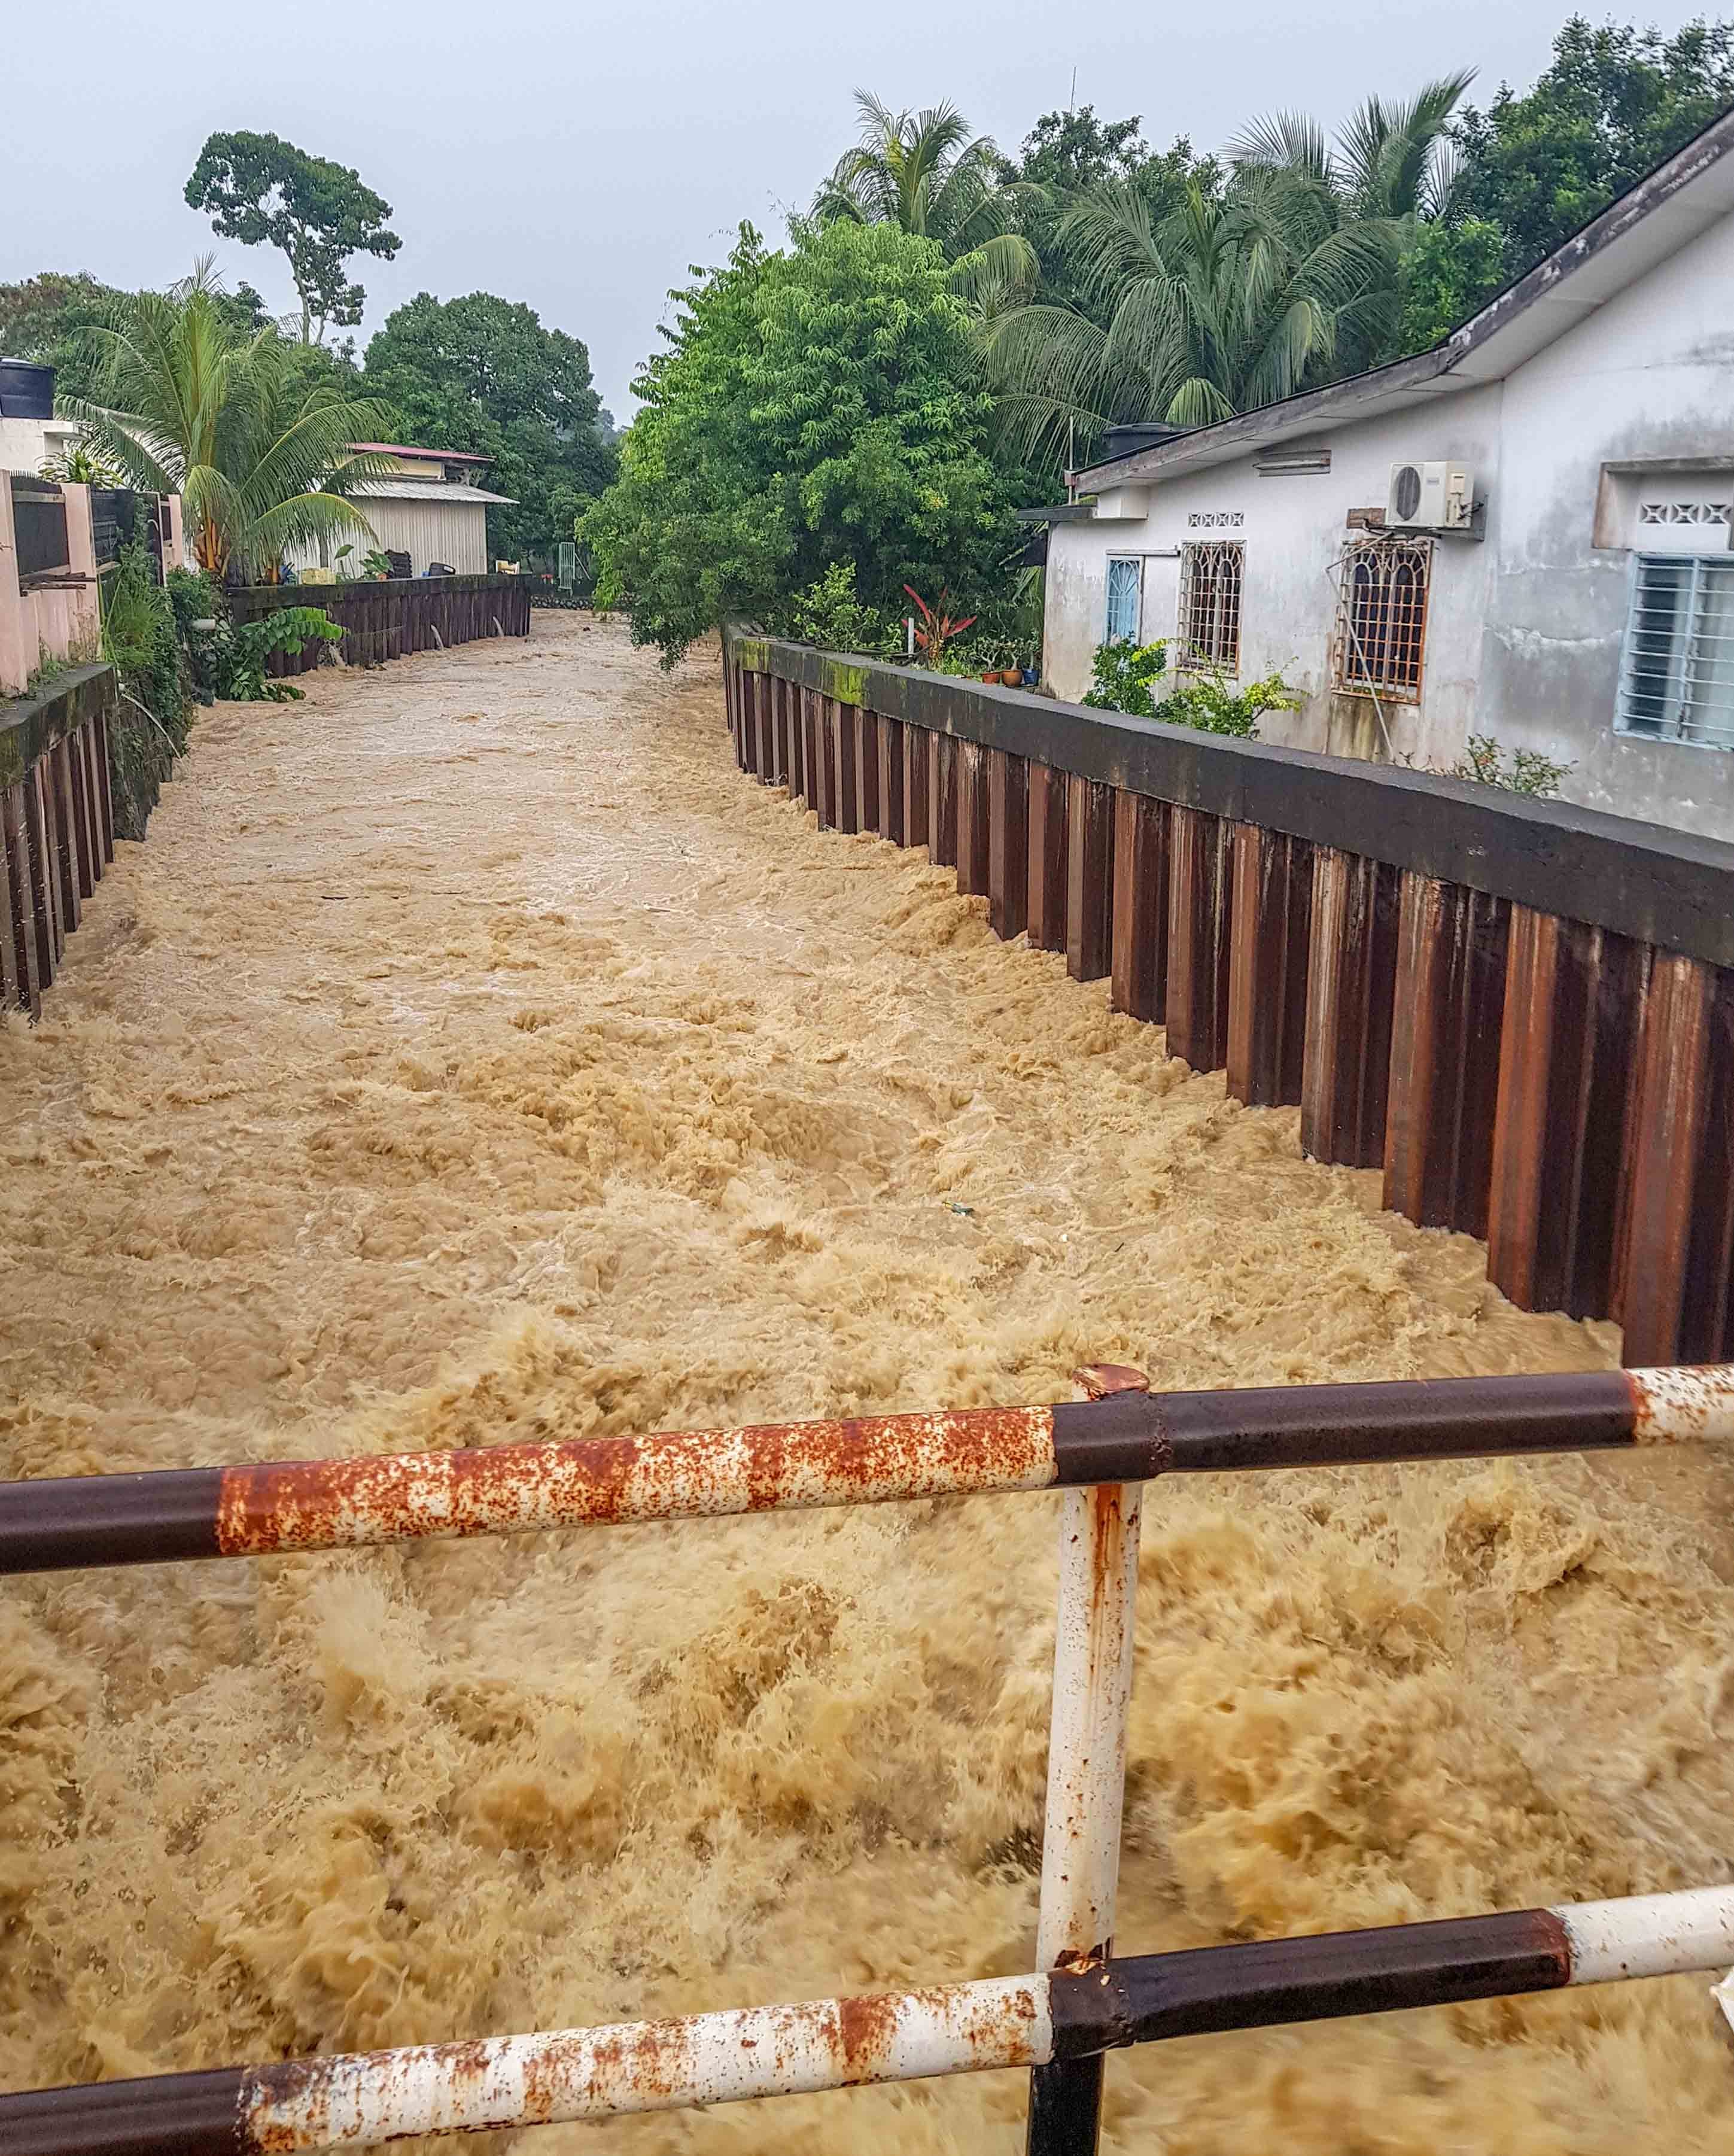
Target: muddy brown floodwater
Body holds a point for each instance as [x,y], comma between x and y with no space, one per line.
[472,1053]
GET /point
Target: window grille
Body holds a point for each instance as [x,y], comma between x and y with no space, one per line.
[1381,618]
[1210,578]
[1676,676]
[1126,579]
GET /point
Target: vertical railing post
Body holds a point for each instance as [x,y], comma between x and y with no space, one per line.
[1086,1767]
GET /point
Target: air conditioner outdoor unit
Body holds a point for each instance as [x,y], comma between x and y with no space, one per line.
[1431,497]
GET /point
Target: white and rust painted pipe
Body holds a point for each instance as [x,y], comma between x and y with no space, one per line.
[275,1505]
[366,2098]
[1094,1651]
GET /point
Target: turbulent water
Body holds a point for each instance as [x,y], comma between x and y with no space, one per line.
[472,1053]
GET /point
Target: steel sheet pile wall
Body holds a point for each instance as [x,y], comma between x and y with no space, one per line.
[1523,1013]
[57,832]
[382,620]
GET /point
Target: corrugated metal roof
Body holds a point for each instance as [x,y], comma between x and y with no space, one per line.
[408,449]
[422,489]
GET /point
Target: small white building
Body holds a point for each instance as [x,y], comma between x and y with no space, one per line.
[1524,532]
[428,504]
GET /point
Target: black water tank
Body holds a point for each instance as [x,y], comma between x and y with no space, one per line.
[1125,441]
[27,391]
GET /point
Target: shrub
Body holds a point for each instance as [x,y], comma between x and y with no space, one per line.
[1124,676]
[139,639]
[1211,705]
[830,613]
[1121,674]
[1528,772]
[229,658]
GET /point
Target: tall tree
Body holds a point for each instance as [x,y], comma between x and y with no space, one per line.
[817,408]
[186,404]
[1613,103]
[483,374]
[261,190]
[47,318]
[926,173]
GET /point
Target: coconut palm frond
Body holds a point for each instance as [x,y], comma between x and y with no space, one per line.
[998,274]
[922,170]
[1390,151]
[1289,141]
[186,404]
[306,519]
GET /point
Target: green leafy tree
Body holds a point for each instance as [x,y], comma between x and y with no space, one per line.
[185,404]
[263,191]
[1613,103]
[819,406]
[483,374]
[49,318]
[1447,272]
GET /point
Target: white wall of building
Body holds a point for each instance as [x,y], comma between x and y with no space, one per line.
[1525,626]
[454,531]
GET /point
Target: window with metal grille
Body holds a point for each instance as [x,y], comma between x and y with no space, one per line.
[1210,573]
[1125,582]
[1381,618]
[1676,676]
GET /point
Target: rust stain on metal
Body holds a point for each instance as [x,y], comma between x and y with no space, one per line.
[1100,1379]
[397,1497]
[1681,1405]
[866,2031]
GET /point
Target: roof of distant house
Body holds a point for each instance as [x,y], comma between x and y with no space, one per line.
[424,489]
[408,449]
[1684,196]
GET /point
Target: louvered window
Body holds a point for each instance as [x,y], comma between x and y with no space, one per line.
[1676,676]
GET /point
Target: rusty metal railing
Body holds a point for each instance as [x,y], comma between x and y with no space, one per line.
[1085,2000]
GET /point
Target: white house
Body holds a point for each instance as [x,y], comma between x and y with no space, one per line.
[1555,571]
[428,504]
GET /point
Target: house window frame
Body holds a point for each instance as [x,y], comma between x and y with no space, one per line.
[1399,684]
[1220,611]
[1134,562]
[1701,571]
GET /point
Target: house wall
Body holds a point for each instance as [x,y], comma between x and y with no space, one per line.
[1525,627]
[58,620]
[454,531]
[1649,375]
[1293,526]
[26,445]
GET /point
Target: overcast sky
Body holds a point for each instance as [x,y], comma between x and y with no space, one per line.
[581,157]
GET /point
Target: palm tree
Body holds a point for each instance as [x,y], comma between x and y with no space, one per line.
[1233,299]
[1285,278]
[258,450]
[1390,160]
[924,172]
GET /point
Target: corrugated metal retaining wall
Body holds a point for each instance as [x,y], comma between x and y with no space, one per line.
[57,830]
[1523,1013]
[383,619]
